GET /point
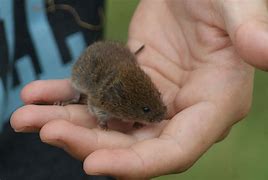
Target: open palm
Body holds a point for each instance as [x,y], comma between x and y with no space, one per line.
[196,63]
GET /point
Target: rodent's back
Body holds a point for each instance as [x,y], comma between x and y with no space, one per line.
[99,66]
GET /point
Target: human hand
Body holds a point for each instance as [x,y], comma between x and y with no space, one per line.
[197,53]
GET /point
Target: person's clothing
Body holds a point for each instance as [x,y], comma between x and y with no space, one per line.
[39,39]
[25,157]
[37,42]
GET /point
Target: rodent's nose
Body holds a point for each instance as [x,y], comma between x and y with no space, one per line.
[157,118]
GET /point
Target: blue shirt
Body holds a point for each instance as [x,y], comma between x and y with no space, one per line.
[39,44]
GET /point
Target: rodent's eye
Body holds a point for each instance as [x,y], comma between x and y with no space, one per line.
[146,109]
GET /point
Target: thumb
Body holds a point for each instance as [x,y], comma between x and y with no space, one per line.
[247,24]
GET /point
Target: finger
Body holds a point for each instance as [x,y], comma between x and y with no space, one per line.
[80,141]
[33,117]
[188,135]
[247,24]
[47,91]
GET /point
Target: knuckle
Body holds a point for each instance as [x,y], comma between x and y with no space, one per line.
[243,111]
[185,164]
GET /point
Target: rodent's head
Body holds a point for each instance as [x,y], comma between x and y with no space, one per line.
[136,98]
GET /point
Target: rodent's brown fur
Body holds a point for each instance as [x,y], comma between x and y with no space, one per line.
[108,73]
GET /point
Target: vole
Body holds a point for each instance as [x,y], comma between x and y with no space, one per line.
[115,86]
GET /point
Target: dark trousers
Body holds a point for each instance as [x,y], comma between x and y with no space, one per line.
[25,157]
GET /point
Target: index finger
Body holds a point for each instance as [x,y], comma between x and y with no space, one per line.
[48,91]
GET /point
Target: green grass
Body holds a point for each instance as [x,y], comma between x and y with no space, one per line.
[242,155]
[118,15]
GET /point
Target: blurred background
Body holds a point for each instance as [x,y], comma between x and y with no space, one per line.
[242,155]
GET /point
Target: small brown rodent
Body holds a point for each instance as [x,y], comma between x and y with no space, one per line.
[115,85]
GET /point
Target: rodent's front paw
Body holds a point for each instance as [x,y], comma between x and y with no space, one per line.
[103,125]
[59,103]
[137,125]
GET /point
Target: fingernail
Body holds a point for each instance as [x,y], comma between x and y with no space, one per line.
[27,129]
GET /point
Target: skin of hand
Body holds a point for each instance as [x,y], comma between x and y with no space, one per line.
[200,54]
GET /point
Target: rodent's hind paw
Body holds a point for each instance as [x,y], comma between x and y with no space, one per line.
[77,99]
[64,103]
[137,125]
